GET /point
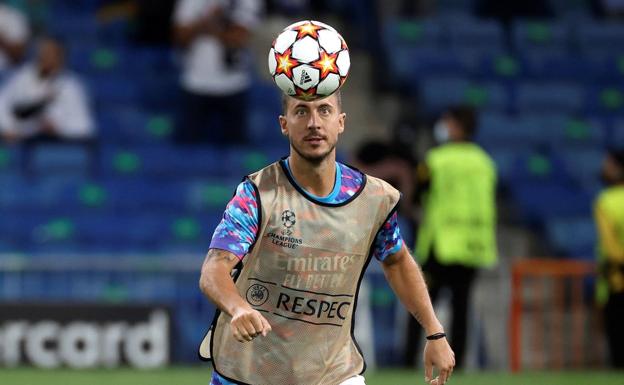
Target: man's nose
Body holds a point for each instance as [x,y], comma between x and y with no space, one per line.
[314,121]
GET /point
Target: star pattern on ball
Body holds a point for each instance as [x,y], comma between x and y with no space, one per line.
[326,64]
[285,63]
[306,95]
[308,29]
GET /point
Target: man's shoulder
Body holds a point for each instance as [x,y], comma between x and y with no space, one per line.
[270,170]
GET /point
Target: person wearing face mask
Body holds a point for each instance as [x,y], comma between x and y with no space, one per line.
[609,216]
[456,236]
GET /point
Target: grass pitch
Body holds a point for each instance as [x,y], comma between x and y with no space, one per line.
[201,376]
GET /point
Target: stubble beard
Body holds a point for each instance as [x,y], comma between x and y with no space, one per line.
[315,159]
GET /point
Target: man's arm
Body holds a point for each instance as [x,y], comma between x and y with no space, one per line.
[217,284]
[405,278]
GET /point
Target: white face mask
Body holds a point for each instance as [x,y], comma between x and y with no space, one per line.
[441,132]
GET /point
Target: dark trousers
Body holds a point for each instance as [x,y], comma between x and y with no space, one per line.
[212,119]
[458,279]
[614,324]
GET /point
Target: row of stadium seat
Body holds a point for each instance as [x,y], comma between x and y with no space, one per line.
[106,233]
[164,161]
[456,31]
[413,63]
[438,92]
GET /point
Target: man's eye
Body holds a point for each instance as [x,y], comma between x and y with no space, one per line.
[325,110]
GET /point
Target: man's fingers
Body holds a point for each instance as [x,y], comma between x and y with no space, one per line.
[428,371]
[266,327]
[257,324]
[443,376]
[237,335]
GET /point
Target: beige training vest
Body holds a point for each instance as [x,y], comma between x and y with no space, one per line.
[303,275]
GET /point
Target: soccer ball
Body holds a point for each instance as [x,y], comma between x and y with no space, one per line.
[309,60]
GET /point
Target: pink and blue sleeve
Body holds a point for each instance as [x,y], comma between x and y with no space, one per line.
[238,229]
[388,240]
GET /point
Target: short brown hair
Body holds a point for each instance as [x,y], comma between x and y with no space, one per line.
[466,116]
[286,98]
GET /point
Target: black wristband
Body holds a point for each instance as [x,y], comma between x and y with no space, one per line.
[436,336]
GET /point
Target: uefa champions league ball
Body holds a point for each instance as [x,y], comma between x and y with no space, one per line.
[309,60]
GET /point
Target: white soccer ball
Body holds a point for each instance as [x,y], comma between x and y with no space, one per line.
[309,60]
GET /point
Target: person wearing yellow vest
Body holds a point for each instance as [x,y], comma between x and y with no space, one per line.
[609,215]
[456,236]
[286,262]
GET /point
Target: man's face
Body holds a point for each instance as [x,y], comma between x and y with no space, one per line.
[313,128]
[49,57]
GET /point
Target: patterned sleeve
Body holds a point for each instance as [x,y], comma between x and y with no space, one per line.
[388,240]
[239,226]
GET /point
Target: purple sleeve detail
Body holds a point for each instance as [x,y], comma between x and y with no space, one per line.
[350,184]
[239,226]
[388,240]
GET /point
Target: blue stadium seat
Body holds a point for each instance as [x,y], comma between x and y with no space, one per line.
[414,49]
[575,133]
[61,160]
[596,39]
[540,200]
[551,66]
[264,109]
[411,64]
[437,93]
[572,236]
[114,89]
[541,36]
[134,125]
[475,35]
[583,166]
[504,158]
[618,133]
[164,161]
[550,97]
[403,33]
[521,132]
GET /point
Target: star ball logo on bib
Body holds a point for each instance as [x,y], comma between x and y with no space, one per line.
[288,219]
[285,238]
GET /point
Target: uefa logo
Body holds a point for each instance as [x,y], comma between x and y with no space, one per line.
[288,219]
[257,294]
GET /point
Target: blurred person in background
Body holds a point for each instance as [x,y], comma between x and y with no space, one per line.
[214,35]
[394,163]
[609,215]
[14,35]
[43,102]
[457,185]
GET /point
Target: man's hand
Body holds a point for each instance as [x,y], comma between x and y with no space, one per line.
[247,324]
[438,353]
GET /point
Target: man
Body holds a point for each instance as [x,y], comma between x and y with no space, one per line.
[609,214]
[300,234]
[214,35]
[44,102]
[14,34]
[457,234]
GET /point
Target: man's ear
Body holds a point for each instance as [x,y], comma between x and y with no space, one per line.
[341,122]
[283,125]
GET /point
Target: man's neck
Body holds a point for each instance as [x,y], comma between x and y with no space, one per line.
[317,179]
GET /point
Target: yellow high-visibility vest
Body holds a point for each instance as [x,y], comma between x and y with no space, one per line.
[460,207]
